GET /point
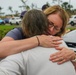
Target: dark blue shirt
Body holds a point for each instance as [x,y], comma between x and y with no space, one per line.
[16,34]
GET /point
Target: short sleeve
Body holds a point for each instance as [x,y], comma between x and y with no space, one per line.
[15,34]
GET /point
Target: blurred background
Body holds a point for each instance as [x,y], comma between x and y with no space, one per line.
[12,11]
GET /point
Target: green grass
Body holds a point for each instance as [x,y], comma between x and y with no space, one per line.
[71,27]
[4,29]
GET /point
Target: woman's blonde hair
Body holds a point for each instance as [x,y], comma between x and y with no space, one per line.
[62,13]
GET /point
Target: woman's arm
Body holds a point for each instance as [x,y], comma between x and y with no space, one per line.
[9,46]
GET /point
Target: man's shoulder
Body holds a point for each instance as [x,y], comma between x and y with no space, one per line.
[38,61]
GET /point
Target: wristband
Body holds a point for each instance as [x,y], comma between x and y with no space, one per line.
[38,40]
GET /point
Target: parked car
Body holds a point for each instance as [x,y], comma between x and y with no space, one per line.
[2,21]
[15,20]
[70,39]
[6,20]
[72,20]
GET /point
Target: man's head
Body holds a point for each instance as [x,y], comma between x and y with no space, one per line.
[34,23]
[57,20]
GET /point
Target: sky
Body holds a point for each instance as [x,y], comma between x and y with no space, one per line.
[16,3]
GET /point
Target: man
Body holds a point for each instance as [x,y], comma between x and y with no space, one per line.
[35,62]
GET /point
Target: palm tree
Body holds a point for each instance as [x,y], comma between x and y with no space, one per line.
[26,7]
[69,2]
[58,1]
[0,10]
[21,8]
[32,5]
[47,3]
[24,1]
[16,13]
[74,11]
[54,1]
[10,8]
[70,6]
[65,5]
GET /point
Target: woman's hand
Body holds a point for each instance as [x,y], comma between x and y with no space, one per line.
[49,41]
[63,55]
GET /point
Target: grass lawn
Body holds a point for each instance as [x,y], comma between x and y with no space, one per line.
[4,29]
[71,27]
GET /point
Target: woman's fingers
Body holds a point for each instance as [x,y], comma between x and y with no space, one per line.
[62,56]
[55,38]
[56,42]
[49,41]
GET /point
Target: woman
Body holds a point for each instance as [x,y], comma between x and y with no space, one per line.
[57,20]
